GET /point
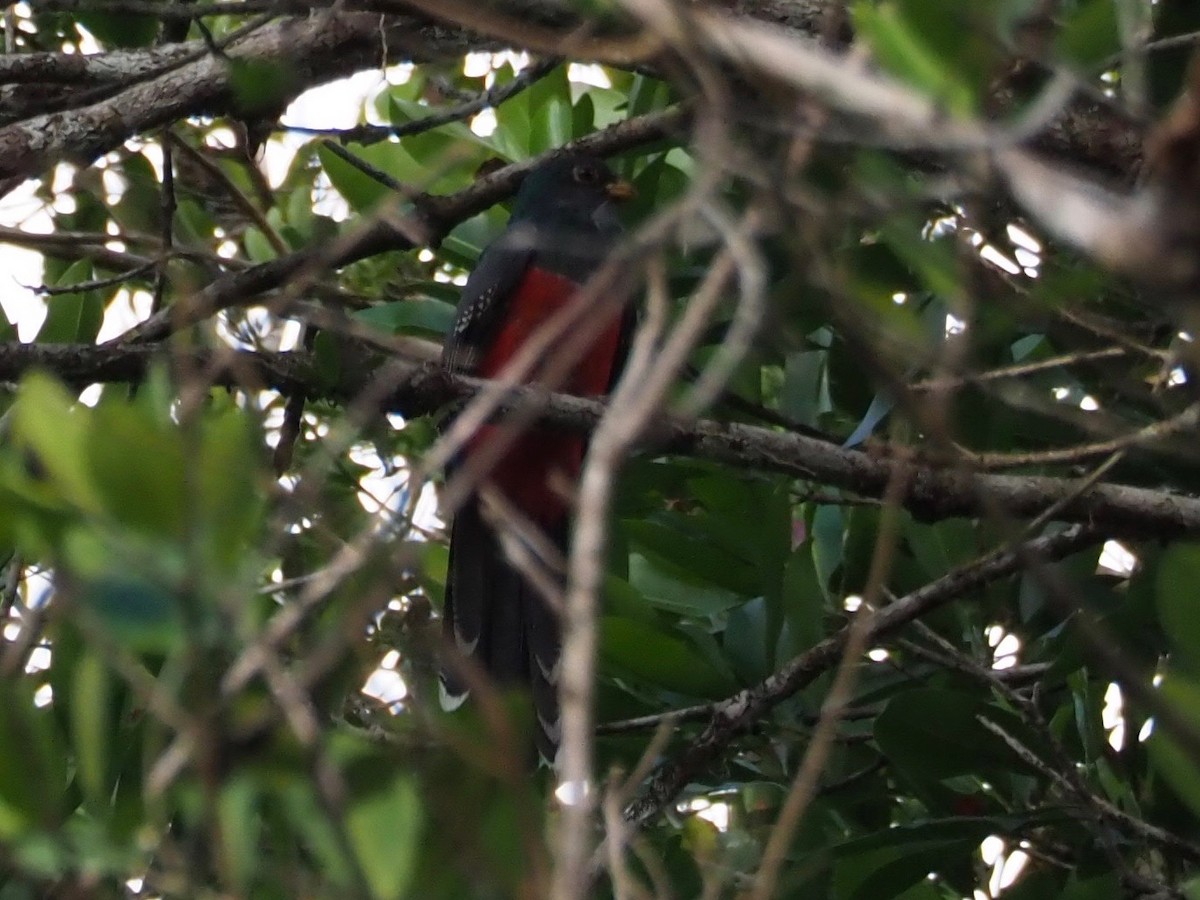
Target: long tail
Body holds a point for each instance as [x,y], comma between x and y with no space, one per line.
[496,618]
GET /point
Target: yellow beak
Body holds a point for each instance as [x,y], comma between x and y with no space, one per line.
[620,190]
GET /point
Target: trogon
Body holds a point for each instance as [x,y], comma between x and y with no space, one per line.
[563,226]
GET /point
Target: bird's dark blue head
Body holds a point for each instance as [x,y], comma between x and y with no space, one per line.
[574,192]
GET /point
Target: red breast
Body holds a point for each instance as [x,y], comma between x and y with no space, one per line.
[527,471]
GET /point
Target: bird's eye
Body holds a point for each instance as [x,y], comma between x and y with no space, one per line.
[586,174]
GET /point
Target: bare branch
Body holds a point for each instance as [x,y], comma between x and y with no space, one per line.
[933,492]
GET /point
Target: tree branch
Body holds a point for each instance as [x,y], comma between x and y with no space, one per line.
[331,44]
[933,492]
[746,707]
[428,221]
[313,50]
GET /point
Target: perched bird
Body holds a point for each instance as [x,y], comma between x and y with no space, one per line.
[563,226]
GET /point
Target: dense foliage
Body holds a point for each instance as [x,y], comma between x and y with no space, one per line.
[893,590]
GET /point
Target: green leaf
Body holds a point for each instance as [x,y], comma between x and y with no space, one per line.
[1171,759]
[138,467]
[658,657]
[763,540]
[384,827]
[1090,34]
[805,394]
[144,617]
[934,261]
[689,548]
[803,605]
[828,537]
[888,863]
[361,191]
[194,222]
[120,29]
[33,776]
[550,112]
[511,137]
[1178,603]
[47,423]
[647,95]
[583,115]
[92,728]
[238,814]
[327,358]
[1096,887]
[932,734]
[231,482]
[422,314]
[939,46]
[140,207]
[258,248]
[316,832]
[939,548]
[76,316]
[261,85]
[661,586]
[748,643]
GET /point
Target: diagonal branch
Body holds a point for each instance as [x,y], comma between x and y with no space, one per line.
[428,221]
[746,707]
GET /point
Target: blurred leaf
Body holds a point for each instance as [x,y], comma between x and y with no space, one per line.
[47,423]
[385,829]
[92,729]
[316,832]
[140,206]
[876,413]
[934,260]
[805,395]
[1090,34]
[915,39]
[237,811]
[583,116]
[1097,887]
[258,248]
[120,29]
[646,95]
[260,85]
[33,777]
[138,468]
[231,480]
[140,615]
[802,605]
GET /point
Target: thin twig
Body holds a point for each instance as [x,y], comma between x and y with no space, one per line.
[637,398]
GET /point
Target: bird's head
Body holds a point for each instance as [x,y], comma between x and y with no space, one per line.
[575,191]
